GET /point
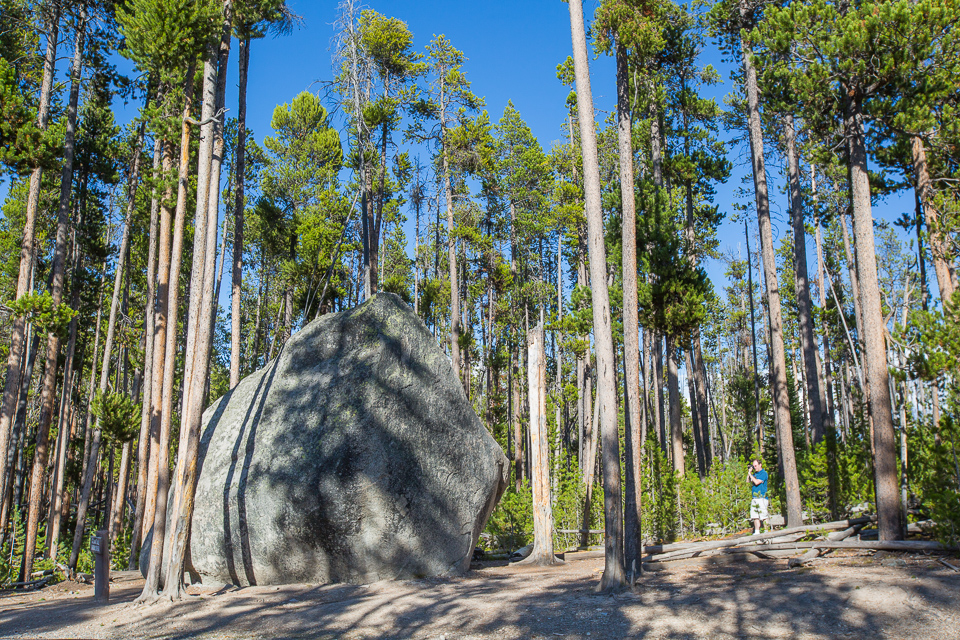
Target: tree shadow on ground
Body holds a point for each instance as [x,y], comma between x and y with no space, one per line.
[718,602]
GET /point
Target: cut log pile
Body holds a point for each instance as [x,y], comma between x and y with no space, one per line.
[795,541]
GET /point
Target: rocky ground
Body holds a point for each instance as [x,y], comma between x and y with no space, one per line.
[881,595]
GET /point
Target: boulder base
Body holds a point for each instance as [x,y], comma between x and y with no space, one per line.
[354,456]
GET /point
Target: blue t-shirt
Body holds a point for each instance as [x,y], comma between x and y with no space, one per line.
[760,490]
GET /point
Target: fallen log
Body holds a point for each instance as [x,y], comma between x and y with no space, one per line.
[893,545]
[815,553]
[27,585]
[762,537]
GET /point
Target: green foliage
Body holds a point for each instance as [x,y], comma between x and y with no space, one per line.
[511,523]
[568,502]
[23,145]
[38,308]
[118,416]
[165,37]
[659,517]
[719,503]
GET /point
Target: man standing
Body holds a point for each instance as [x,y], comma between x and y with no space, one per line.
[758,506]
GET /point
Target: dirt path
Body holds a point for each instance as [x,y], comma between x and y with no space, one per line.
[884,596]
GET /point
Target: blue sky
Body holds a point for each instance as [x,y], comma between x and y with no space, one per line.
[512,51]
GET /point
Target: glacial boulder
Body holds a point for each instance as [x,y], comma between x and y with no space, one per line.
[354,456]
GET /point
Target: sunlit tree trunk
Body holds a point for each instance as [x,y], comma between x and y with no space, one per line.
[15,357]
[631,322]
[58,272]
[542,553]
[143,448]
[939,247]
[778,362]
[614,577]
[205,274]
[875,354]
[237,272]
[152,583]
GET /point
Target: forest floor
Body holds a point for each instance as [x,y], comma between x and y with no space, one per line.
[883,595]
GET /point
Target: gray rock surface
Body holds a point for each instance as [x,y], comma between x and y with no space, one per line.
[354,456]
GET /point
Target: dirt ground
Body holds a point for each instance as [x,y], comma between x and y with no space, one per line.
[858,596]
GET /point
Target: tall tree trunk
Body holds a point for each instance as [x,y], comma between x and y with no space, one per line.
[451,246]
[66,404]
[143,448]
[753,343]
[15,357]
[875,355]
[97,434]
[152,583]
[778,362]
[119,500]
[829,423]
[676,427]
[237,278]
[701,386]
[48,392]
[542,553]
[661,417]
[804,305]
[614,577]
[632,541]
[205,274]
[939,247]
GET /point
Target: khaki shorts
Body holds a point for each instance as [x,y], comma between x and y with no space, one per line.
[758,508]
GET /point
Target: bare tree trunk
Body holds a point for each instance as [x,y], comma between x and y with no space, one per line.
[159,346]
[700,387]
[96,437]
[49,389]
[875,354]
[152,583]
[939,246]
[237,279]
[826,387]
[614,577]
[451,245]
[660,414]
[11,389]
[63,424]
[676,428]
[631,321]
[119,500]
[804,305]
[542,553]
[143,448]
[778,362]
[204,272]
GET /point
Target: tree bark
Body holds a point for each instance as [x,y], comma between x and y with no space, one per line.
[939,247]
[804,305]
[633,541]
[237,273]
[875,355]
[542,553]
[778,362]
[205,274]
[614,577]
[676,428]
[49,389]
[152,583]
[18,339]
[451,244]
[143,448]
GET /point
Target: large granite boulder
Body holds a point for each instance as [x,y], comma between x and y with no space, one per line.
[354,456]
